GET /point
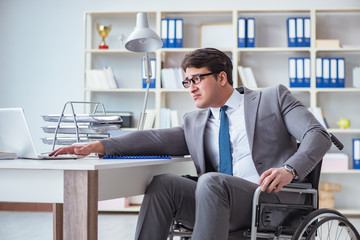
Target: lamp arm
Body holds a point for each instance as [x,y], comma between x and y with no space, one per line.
[148,74]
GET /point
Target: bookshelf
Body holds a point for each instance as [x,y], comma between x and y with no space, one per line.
[268,60]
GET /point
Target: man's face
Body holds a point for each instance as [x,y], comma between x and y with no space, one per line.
[208,92]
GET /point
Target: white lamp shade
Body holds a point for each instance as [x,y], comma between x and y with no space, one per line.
[143,39]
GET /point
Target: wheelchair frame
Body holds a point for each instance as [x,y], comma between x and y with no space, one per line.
[313,219]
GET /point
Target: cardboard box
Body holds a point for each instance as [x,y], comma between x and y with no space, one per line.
[335,162]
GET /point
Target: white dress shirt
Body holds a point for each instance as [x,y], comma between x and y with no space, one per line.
[243,165]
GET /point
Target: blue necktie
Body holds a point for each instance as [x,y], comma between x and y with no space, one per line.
[224,143]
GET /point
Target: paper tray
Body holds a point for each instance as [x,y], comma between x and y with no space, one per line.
[88,129]
[84,118]
[69,141]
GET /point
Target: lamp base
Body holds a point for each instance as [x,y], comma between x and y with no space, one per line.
[103,47]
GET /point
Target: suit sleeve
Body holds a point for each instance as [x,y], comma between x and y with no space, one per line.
[301,124]
[170,141]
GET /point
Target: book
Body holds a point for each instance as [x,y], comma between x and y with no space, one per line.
[96,79]
[320,116]
[250,78]
[110,77]
[150,119]
[327,43]
[7,155]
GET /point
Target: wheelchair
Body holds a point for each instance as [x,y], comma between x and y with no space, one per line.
[290,221]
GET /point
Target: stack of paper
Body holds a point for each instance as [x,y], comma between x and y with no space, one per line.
[172,78]
[247,77]
[328,43]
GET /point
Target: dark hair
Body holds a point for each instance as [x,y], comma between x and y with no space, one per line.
[216,61]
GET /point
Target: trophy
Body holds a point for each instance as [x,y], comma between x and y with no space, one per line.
[103,32]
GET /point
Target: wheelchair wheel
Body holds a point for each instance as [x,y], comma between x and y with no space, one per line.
[334,227]
[325,224]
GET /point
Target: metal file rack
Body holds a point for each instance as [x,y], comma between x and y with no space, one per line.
[78,128]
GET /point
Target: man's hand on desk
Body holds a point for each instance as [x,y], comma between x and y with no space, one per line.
[274,179]
[80,149]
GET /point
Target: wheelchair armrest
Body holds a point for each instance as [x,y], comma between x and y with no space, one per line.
[299,185]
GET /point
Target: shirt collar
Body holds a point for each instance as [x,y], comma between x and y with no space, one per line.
[233,102]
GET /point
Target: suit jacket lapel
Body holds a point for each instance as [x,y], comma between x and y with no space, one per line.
[251,104]
[200,123]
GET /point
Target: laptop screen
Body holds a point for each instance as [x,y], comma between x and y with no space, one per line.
[14,133]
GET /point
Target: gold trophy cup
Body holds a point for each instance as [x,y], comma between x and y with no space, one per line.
[103,32]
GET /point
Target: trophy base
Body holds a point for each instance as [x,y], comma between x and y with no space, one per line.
[104,47]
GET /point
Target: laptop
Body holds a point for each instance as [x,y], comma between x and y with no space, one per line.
[15,136]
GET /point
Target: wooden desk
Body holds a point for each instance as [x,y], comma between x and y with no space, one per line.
[75,186]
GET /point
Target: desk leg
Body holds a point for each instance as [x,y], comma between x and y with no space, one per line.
[80,205]
[57,221]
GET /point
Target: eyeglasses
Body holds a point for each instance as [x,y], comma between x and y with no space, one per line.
[196,79]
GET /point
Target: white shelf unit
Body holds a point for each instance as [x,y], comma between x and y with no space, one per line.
[268,59]
[346,200]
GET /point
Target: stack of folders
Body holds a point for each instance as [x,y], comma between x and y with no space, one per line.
[246,32]
[356,153]
[172,32]
[153,74]
[330,72]
[168,118]
[299,32]
[101,78]
[171,78]
[299,72]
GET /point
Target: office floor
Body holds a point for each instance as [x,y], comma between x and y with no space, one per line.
[38,226]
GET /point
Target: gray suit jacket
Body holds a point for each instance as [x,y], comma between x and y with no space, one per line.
[274,120]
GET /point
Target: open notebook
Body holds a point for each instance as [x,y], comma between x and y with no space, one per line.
[15,136]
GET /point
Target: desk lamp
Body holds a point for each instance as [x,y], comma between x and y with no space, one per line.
[143,39]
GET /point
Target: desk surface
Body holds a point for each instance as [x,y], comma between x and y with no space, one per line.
[87,163]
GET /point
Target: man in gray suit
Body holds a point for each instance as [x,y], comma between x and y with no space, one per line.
[262,130]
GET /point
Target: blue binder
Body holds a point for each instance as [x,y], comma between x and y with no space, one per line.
[307,72]
[319,73]
[164,32]
[333,73]
[250,32]
[307,32]
[299,72]
[356,153]
[291,27]
[341,72]
[241,32]
[179,25]
[153,74]
[292,72]
[299,32]
[326,72]
[171,33]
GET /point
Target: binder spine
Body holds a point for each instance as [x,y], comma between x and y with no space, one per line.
[341,72]
[241,32]
[164,32]
[299,32]
[291,26]
[250,30]
[292,72]
[333,73]
[307,72]
[179,32]
[307,32]
[356,153]
[171,33]
[319,73]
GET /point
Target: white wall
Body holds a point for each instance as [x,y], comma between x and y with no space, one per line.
[41,46]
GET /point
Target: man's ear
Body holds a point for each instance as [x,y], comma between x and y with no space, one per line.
[222,78]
